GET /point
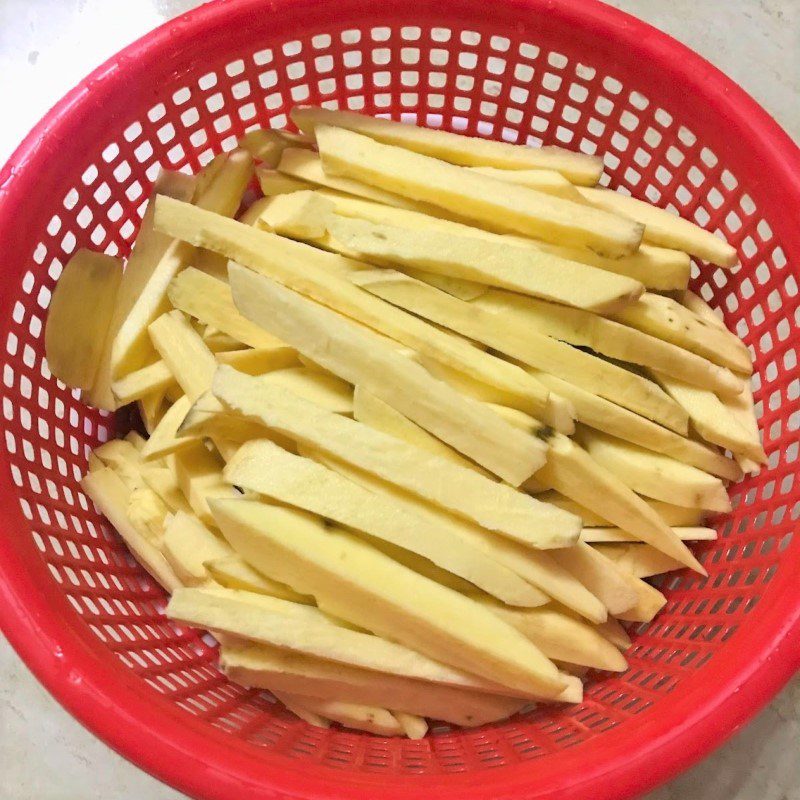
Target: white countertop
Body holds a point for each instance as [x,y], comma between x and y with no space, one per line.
[46,46]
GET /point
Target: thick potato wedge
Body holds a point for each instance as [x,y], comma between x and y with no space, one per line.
[259,361]
[372,411]
[656,475]
[375,592]
[502,264]
[456,148]
[610,338]
[462,491]
[598,574]
[510,336]
[559,412]
[667,319]
[478,197]
[371,719]
[74,339]
[263,467]
[665,228]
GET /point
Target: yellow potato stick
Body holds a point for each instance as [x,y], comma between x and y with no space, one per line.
[502,264]
[664,228]
[456,148]
[478,197]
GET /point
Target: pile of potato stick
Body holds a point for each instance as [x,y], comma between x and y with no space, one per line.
[424,412]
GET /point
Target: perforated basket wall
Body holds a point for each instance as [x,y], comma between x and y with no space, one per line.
[89,621]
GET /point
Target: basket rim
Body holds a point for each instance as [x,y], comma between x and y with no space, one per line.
[184,752]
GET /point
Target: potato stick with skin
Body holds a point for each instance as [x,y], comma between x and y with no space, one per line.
[520,269]
[574,473]
[656,475]
[209,300]
[603,415]
[74,339]
[464,492]
[537,567]
[685,533]
[356,582]
[360,357]
[667,319]
[669,513]
[516,340]
[456,148]
[184,352]
[318,275]
[136,385]
[479,197]
[585,329]
[713,419]
[655,267]
[263,467]
[257,665]
[561,637]
[664,228]
[640,560]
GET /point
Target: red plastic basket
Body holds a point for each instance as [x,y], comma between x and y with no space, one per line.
[673,129]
